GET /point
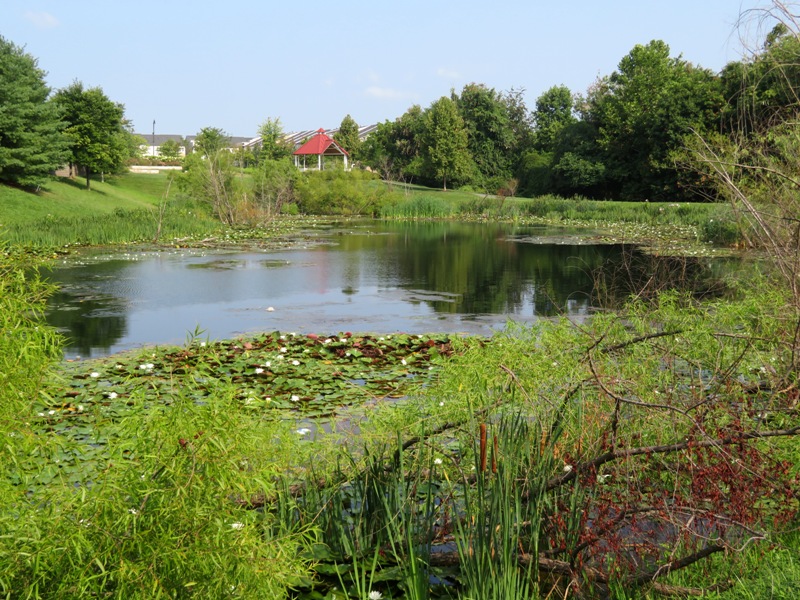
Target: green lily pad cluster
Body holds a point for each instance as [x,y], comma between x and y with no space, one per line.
[276,375]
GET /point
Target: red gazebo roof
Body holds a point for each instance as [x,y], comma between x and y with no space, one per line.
[320,144]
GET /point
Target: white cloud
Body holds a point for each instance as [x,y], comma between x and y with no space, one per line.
[447,73]
[41,19]
[388,93]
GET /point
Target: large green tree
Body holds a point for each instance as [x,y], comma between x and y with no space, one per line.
[554,111]
[643,111]
[446,151]
[31,141]
[96,129]
[490,137]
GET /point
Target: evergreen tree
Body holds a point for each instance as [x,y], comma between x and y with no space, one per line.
[347,136]
[32,144]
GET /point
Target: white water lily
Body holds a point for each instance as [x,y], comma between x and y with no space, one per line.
[403,361]
[295,362]
[284,350]
[112,395]
[375,595]
[94,375]
[259,370]
[295,398]
[268,364]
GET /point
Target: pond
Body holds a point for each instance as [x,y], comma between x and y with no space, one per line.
[361,277]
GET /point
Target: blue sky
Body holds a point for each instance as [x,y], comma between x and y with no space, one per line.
[192,64]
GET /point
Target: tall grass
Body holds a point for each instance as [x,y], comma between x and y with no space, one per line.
[118,227]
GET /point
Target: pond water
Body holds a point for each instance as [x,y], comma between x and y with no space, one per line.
[358,277]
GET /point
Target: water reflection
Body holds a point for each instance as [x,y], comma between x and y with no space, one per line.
[376,277]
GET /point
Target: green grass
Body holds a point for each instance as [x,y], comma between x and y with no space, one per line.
[122,209]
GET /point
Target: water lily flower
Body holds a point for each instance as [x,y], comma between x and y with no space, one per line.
[120,367]
[52,412]
[237,525]
[268,364]
[259,370]
[375,595]
[284,349]
[404,361]
[80,407]
[112,395]
[295,398]
[283,337]
[94,375]
[295,362]
[270,309]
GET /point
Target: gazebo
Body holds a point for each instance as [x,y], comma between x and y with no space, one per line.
[320,145]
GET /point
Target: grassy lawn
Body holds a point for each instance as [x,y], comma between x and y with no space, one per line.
[68,198]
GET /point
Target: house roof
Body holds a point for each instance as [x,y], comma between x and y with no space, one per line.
[159,138]
[321,144]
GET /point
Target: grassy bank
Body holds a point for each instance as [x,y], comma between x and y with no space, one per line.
[123,209]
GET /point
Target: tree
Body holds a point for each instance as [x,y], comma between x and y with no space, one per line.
[273,140]
[644,111]
[170,150]
[31,141]
[347,136]
[211,141]
[95,127]
[446,153]
[554,111]
[489,134]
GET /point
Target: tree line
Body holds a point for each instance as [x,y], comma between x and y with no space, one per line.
[628,137]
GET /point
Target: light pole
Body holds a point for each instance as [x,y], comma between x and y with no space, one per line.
[153,149]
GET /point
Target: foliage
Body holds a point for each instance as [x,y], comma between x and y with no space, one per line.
[554,112]
[170,150]
[339,192]
[209,176]
[273,185]
[347,136]
[273,143]
[96,129]
[446,151]
[489,133]
[644,111]
[31,141]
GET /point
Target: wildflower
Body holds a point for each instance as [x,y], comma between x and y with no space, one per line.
[267,399]
[295,362]
[237,525]
[437,461]
[375,595]
[441,403]
[52,412]
[202,344]
[295,398]
[304,431]
[133,511]
[112,395]
[259,370]
[94,375]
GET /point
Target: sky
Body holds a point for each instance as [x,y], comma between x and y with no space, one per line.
[189,64]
